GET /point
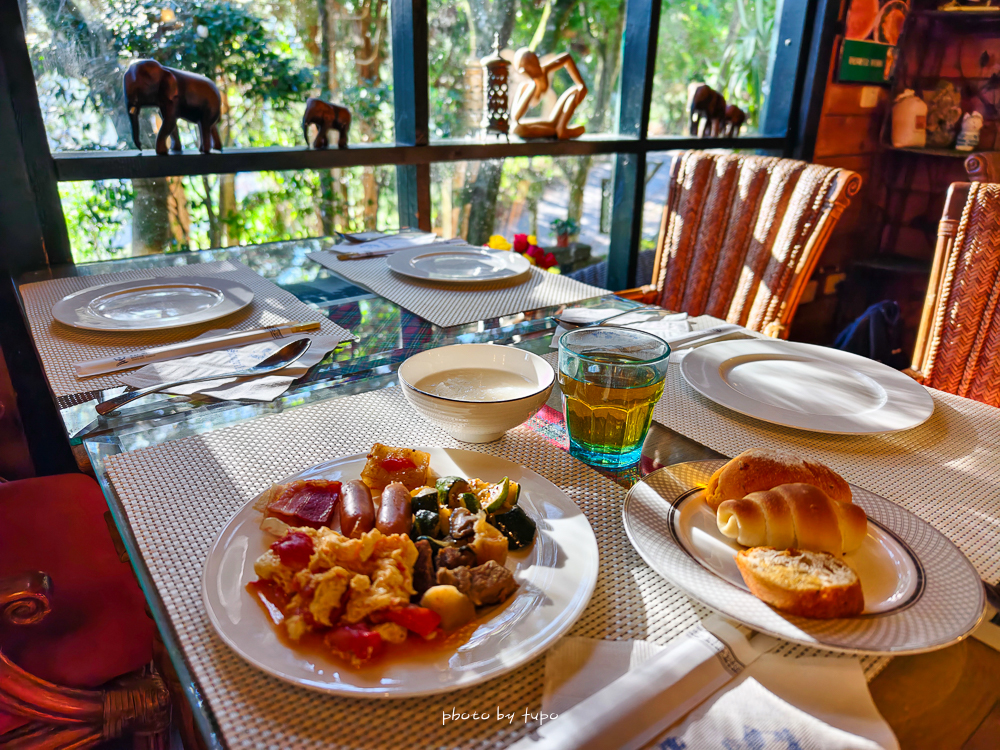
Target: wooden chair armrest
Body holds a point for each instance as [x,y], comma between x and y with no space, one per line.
[645,294]
[915,374]
[24,599]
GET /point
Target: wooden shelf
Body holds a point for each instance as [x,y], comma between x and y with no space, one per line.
[951,153]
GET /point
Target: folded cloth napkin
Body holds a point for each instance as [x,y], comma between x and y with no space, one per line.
[817,702]
[646,700]
[266,388]
[666,326]
[396,242]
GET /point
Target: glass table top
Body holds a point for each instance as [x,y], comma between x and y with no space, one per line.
[387,335]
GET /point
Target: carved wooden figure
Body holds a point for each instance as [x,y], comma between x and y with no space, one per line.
[325,116]
[178,94]
[708,108]
[733,121]
[529,93]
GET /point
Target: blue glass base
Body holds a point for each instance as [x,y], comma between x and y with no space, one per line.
[622,459]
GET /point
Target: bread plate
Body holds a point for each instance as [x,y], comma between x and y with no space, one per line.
[557,575]
[921,593]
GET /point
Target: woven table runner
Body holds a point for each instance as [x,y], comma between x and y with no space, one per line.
[947,470]
[453,306]
[60,346]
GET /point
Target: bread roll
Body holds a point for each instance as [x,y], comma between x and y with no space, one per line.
[793,515]
[761,469]
[808,584]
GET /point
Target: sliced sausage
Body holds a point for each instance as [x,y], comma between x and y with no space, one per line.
[357,511]
[395,515]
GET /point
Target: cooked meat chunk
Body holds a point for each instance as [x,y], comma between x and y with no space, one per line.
[491,583]
[423,568]
[462,524]
[459,578]
[456,557]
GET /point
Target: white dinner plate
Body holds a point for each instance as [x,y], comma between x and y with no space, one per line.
[921,593]
[152,304]
[809,387]
[458,264]
[556,574]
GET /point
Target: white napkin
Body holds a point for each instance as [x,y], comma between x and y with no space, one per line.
[266,388]
[627,694]
[646,700]
[395,242]
[666,327]
[810,703]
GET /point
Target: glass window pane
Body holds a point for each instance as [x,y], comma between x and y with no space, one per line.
[524,196]
[460,34]
[110,219]
[724,43]
[266,58]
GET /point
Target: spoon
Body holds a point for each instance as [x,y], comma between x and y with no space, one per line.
[570,324]
[281,358]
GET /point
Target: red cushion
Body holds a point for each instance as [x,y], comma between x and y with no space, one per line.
[98,628]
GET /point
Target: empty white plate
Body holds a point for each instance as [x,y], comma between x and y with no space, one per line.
[152,304]
[458,263]
[809,387]
[556,574]
[921,593]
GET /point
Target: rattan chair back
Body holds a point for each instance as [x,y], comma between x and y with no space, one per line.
[958,343]
[741,235]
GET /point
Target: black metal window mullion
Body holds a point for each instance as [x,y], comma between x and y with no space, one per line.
[412,109]
[639,37]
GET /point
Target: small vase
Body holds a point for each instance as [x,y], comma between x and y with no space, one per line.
[562,240]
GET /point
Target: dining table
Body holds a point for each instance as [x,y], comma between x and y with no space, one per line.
[223,452]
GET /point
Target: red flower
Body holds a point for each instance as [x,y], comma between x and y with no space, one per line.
[535,252]
[548,261]
[520,243]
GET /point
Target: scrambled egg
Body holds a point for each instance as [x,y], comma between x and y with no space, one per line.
[375,572]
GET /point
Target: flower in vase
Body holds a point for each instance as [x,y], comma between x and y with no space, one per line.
[498,242]
[520,243]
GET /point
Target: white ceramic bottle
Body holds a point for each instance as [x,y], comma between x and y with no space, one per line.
[909,121]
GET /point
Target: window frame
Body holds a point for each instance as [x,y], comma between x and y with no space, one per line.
[788,125]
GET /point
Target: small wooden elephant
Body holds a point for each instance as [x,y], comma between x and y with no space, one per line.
[733,121]
[708,108]
[325,116]
[178,94]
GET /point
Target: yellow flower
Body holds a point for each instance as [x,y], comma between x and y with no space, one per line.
[497,242]
[530,259]
[532,239]
[554,269]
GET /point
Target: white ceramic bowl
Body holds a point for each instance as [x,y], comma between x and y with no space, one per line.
[476,421]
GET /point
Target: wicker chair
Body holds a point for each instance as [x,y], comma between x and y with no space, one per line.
[83,646]
[741,235]
[958,343]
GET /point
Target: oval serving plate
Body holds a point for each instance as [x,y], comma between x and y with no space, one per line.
[152,304]
[557,575]
[808,387]
[921,593]
[459,264]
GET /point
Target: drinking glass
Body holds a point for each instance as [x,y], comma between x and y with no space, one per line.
[610,379]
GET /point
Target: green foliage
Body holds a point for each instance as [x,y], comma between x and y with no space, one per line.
[564,226]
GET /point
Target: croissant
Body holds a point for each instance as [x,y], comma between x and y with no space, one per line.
[793,515]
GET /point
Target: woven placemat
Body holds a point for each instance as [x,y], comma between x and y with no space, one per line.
[60,347]
[454,306]
[947,470]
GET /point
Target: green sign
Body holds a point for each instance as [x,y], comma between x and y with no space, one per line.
[865,62]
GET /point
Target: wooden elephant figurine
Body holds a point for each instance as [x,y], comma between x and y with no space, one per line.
[733,121]
[325,116]
[708,108]
[178,94]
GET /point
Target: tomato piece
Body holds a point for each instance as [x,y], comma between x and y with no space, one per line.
[294,550]
[354,641]
[420,620]
[398,464]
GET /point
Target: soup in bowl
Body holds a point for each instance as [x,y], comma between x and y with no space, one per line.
[476,392]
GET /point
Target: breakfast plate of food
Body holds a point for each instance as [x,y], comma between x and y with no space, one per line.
[401,572]
[786,546]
